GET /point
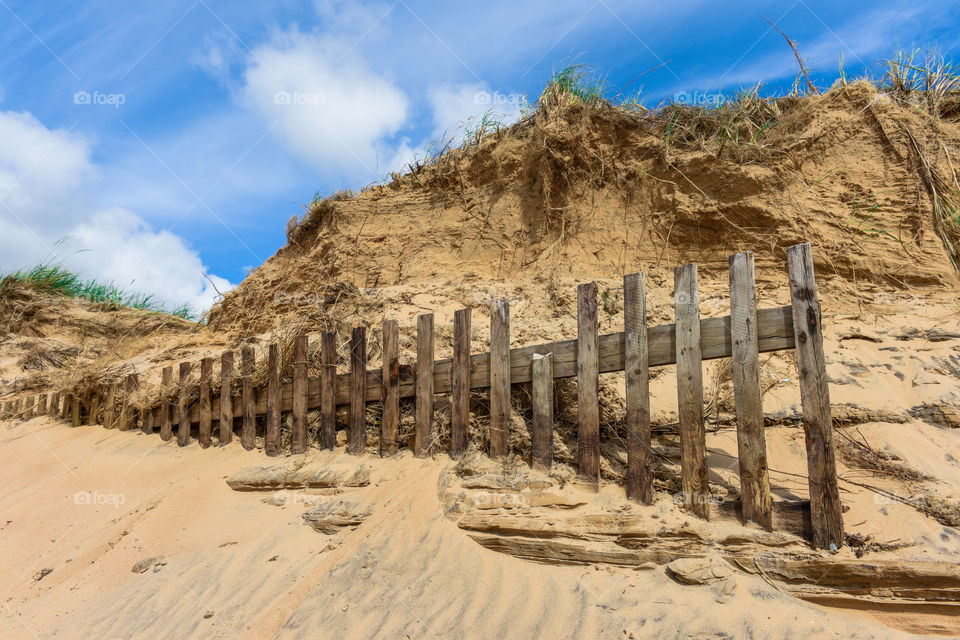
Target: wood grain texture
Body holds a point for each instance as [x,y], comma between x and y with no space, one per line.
[109,406]
[298,443]
[166,409]
[390,420]
[541,434]
[637,375]
[183,406]
[588,381]
[131,415]
[460,383]
[148,420]
[357,441]
[271,440]
[693,437]
[28,407]
[206,417]
[328,390]
[248,428]
[756,501]
[225,410]
[75,415]
[424,385]
[42,404]
[499,378]
[825,507]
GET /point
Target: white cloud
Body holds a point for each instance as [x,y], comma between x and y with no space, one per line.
[46,177]
[459,106]
[329,108]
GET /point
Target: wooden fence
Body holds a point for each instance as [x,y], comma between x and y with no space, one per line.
[742,336]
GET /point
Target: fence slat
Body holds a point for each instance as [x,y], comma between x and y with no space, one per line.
[460,382]
[588,380]
[130,416]
[109,406]
[424,385]
[271,440]
[756,503]
[94,405]
[390,422]
[248,430]
[541,435]
[825,508]
[499,377]
[29,404]
[183,413]
[75,410]
[64,406]
[206,370]
[358,391]
[300,349]
[53,407]
[42,404]
[328,390]
[147,422]
[693,437]
[225,422]
[166,411]
[635,358]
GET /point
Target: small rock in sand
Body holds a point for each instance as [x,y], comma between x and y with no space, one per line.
[43,573]
[707,570]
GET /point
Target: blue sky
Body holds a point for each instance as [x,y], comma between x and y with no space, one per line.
[172,140]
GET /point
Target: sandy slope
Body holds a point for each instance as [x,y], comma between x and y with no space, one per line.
[237,566]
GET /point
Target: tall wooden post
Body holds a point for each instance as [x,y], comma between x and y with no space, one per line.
[248,432]
[825,508]
[358,391]
[271,441]
[390,391]
[132,384]
[460,383]
[300,350]
[693,437]
[183,406]
[499,378]
[225,422]
[755,500]
[541,435]
[588,382]
[206,418]
[328,390]
[424,385]
[166,409]
[635,358]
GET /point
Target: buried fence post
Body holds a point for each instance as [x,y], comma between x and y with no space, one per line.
[109,410]
[825,508]
[588,380]
[693,437]
[541,434]
[499,378]
[130,416]
[424,385]
[225,423]
[460,383]
[203,433]
[166,417]
[635,362]
[42,404]
[248,432]
[28,407]
[271,441]
[328,390]
[390,421]
[357,439]
[183,412]
[93,406]
[756,503]
[75,410]
[298,443]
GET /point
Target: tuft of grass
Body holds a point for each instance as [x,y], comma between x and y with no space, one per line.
[53,278]
[577,81]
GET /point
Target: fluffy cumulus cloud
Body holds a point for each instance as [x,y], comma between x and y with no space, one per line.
[46,178]
[327,105]
[459,107]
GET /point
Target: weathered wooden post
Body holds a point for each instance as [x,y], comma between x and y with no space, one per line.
[825,507]
[357,441]
[328,390]
[390,388]
[756,503]
[588,382]
[424,385]
[248,433]
[298,443]
[460,383]
[206,418]
[271,441]
[499,378]
[541,435]
[635,359]
[183,406]
[225,423]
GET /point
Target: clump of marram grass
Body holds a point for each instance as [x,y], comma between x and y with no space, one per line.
[53,278]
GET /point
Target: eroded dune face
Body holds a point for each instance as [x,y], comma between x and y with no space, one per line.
[177,552]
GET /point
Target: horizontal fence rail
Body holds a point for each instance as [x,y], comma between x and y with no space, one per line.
[742,336]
